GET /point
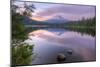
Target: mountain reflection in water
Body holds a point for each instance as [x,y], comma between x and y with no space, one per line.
[50,42]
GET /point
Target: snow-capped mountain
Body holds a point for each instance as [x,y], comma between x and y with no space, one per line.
[57,19]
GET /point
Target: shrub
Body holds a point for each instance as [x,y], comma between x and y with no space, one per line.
[22,54]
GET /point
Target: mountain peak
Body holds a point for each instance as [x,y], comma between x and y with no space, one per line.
[57,19]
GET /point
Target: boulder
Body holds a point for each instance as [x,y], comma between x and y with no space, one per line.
[69,52]
[61,57]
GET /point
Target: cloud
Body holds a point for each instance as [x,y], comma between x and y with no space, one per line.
[68,9]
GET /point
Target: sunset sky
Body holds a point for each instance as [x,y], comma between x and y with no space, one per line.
[45,11]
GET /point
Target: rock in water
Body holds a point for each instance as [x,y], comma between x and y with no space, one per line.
[69,52]
[61,57]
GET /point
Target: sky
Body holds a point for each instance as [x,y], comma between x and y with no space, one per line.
[45,11]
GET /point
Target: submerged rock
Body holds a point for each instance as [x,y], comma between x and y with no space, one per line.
[61,57]
[69,52]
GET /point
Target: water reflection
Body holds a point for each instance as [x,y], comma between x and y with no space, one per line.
[50,42]
[82,31]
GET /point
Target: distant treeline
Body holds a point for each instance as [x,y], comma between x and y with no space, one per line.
[83,23]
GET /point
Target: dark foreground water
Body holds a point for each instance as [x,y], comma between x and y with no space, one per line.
[50,42]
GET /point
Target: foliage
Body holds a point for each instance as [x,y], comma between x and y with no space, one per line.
[22,54]
[18,29]
[28,9]
[84,22]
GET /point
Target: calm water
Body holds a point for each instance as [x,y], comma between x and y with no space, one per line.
[51,41]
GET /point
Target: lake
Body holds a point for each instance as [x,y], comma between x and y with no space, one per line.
[50,42]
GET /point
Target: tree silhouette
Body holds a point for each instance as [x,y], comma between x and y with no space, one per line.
[28,9]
